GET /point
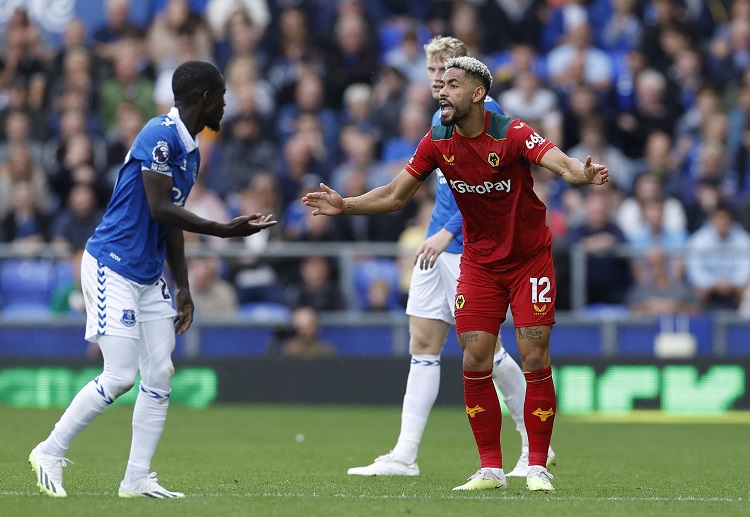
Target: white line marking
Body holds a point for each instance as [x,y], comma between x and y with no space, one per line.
[447,497]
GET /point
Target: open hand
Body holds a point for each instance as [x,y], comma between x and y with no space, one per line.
[596,173]
[328,202]
[245,225]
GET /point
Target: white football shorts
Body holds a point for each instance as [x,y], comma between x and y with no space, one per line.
[116,305]
[432,292]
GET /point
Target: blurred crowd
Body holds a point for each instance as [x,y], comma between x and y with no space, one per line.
[336,91]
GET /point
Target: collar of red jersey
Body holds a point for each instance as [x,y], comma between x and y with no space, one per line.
[191,144]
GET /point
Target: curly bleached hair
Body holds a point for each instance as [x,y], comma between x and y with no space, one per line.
[474,67]
[441,48]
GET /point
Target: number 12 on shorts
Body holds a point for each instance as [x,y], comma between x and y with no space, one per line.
[540,289]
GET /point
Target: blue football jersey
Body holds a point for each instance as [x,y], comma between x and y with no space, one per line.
[128,240]
[445,213]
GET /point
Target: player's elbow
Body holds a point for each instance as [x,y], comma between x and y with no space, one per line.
[160,213]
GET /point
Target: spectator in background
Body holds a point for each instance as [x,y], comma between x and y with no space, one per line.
[74,225]
[705,197]
[607,274]
[127,84]
[731,55]
[298,161]
[309,99]
[170,28]
[221,14]
[244,149]
[77,74]
[80,162]
[20,167]
[116,27]
[577,61]
[118,142]
[582,104]
[388,98]
[302,340]
[18,132]
[243,73]
[623,30]
[358,110]
[718,260]
[240,36]
[316,286]
[25,224]
[529,100]
[647,188]
[594,142]
[521,22]
[74,38]
[23,58]
[653,232]
[687,77]
[256,278]
[408,57]
[652,112]
[414,123]
[293,52]
[351,59]
[213,296]
[660,161]
[660,288]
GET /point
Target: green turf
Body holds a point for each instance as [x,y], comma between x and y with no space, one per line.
[245,460]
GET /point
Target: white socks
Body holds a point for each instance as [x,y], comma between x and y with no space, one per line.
[149,417]
[85,407]
[422,388]
[509,379]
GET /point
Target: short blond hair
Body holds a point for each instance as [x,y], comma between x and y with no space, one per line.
[442,48]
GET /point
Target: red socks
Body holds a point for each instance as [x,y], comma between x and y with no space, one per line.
[539,409]
[483,411]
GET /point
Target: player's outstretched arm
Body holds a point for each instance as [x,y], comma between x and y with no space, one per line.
[381,200]
[572,170]
[159,194]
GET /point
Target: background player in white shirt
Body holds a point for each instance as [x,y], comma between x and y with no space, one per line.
[430,309]
[128,304]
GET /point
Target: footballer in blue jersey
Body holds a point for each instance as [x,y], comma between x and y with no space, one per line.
[430,307]
[129,308]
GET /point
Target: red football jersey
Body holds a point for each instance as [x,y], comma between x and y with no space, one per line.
[490,177]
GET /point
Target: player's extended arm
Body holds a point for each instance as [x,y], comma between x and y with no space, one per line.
[381,200]
[159,194]
[178,268]
[572,170]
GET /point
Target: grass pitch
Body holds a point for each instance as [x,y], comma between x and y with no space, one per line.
[292,461]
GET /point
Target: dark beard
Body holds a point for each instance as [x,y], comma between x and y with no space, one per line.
[458,114]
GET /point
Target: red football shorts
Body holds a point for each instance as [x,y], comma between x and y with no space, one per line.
[483,295]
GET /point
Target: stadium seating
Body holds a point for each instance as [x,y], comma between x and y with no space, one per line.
[368,271]
[26,285]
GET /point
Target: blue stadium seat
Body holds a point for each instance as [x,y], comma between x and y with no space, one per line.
[26,284]
[266,312]
[367,271]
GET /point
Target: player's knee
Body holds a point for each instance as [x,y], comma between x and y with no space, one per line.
[535,359]
[421,345]
[117,385]
[160,376]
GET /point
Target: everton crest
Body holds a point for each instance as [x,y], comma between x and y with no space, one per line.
[128,317]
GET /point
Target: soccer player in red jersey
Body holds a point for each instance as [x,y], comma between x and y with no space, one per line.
[507,259]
